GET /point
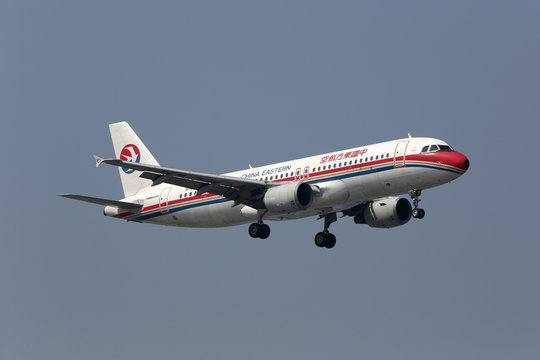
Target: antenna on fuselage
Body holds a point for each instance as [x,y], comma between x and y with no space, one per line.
[410,137]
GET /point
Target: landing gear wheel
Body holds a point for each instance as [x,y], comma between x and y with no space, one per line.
[254,230]
[326,240]
[264,231]
[418,213]
[320,239]
[330,240]
[261,231]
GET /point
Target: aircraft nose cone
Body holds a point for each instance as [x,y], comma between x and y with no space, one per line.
[454,159]
[460,161]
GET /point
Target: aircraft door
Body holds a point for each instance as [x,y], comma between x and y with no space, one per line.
[401,148]
[306,173]
[302,174]
[164,200]
[298,174]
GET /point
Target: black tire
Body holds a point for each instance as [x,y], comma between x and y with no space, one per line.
[264,231]
[254,230]
[421,213]
[320,239]
[330,241]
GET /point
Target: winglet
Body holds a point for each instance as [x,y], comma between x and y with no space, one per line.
[98,160]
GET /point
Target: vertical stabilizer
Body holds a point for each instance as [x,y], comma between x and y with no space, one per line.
[128,147]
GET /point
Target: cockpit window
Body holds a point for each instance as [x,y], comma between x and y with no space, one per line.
[445,148]
[435,148]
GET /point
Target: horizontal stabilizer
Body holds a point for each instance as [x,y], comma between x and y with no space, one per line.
[105,202]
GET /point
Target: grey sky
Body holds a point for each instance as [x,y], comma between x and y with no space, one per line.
[214,86]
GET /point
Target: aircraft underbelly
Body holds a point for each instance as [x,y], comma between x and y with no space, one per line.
[206,216]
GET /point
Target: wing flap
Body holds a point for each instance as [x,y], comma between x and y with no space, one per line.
[243,191]
[216,188]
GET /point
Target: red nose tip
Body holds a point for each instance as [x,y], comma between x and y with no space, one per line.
[452,158]
[460,161]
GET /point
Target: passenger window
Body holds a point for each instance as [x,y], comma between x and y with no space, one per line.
[387,155]
[271,177]
[281,177]
[335,166]
[339,164]
[371,158]
[425,148]
[266,178]
[377,157]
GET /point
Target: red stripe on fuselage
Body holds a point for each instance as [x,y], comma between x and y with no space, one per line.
[454,159]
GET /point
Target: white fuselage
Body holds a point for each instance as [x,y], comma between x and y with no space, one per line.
[343,179]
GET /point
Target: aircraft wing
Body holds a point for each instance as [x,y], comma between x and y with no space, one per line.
[241,191]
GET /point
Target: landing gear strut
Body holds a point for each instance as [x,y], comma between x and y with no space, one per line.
[325,238]
[415,196]
[259,229]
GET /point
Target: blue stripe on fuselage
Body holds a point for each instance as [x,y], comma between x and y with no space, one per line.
[332,178]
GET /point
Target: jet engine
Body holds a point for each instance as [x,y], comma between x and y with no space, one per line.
[288,198]
[384,213]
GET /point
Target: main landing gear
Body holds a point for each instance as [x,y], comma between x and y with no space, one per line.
[325,238]
[259,229]
[415,196]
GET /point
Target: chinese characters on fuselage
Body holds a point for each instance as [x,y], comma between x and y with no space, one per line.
[343,156]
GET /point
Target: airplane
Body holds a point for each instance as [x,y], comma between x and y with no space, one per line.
[364,182]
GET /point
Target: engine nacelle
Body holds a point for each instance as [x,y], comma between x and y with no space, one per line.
[385,213]
[288,198]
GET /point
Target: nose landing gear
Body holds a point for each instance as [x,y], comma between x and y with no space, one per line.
[415,196]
